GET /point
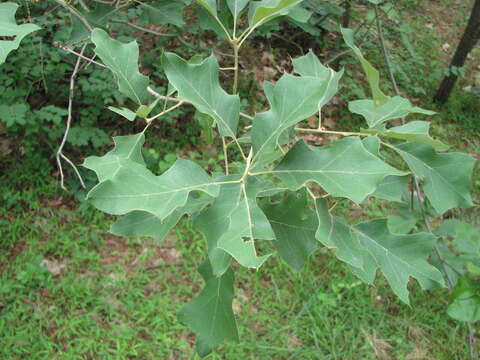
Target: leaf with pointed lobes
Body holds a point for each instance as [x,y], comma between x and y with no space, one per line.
[373,76]
[141,223]
[344,168]
[395,108]
[310,66]
[447,176]
[294,224]
[122,60]
[210,313]
[414,131]
[209,5]
[233,223]
[127,149]
[135,188]
[292,99]
[334,233]
[236,6]
[199,85]
[9,27]
[399,257]
[261,12]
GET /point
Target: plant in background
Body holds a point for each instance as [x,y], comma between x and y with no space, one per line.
[276,189]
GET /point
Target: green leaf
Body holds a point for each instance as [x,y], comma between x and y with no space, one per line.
[398,256]
[415,131]
[233,223]
[401,224]
[263,11]
[140,223]
[294,225]
[206,123]
[127,149]
[97,16]
[236,6]
[292,99]
[373,76]
[199,85]
[466,301]
[447,176]
[122,60]
[123,111]
[210,6]
[164,12]
[135,188]
[210,314]
[334,233]
[310,66]
[344,168]
[394,108]
[9,27]
[392,188]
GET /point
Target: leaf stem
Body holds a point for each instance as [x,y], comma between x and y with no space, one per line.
[323,131]
[235,66]
[76,13]
[225,155]
[178,104]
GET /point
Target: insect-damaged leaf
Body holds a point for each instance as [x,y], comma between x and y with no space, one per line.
[210,314]
[122,60]
[344,168]
[9,27]
[199,85]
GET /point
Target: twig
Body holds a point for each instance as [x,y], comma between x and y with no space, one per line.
[67,129]
[144,29]
[71,51]
[225,155]
[173,99]
[76,13]
[324,131]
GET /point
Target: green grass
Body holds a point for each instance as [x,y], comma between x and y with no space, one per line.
[70,290]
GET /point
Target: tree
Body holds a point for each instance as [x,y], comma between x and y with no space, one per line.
[469,39]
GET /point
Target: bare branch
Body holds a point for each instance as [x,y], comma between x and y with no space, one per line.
[67,129]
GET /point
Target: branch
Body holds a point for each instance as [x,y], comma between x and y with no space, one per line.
[71,51]
[141,28]
[67,129]
[76,13]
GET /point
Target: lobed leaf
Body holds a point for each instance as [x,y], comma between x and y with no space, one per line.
[122,60]
[292,99]
[344,168]
[416,131]
[199,85]
[447,176]
[373,76]
[263,11]
[210,314]
[294,225]
[233,223]
[236,6]
[9,27]
[394,108]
